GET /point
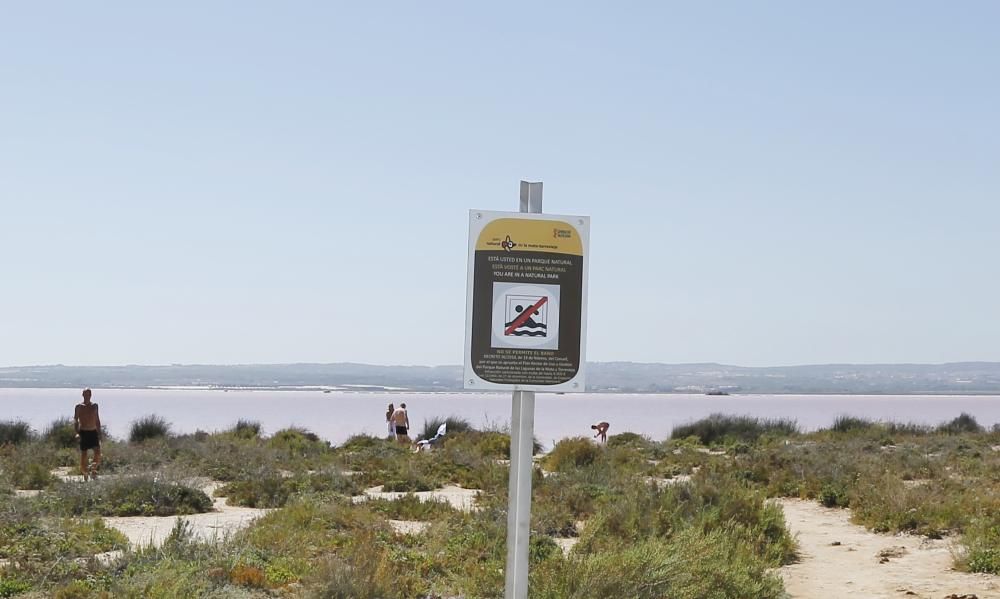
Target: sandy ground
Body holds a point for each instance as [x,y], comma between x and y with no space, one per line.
[459,498]
[226,519]
[409,527]
[153,530]
[566,543]
[840,559]
[214,525]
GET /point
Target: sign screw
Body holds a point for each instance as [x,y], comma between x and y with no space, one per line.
[479,215]
[472,382]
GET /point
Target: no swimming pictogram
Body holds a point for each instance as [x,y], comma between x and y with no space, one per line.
[526,316]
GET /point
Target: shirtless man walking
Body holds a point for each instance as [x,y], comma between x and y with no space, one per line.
[401,420]
[87,424]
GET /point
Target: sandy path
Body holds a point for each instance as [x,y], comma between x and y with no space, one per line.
[409,527]
[459,498]
[210,526]
[912,566]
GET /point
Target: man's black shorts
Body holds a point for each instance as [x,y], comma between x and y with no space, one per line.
[89,440]
[400,430]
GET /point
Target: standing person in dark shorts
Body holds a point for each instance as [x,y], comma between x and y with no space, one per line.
[87,424]
[401,422]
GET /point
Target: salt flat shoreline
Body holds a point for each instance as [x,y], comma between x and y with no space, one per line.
[377,389]
[338,415]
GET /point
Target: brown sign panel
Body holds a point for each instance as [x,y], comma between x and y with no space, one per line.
[526,301]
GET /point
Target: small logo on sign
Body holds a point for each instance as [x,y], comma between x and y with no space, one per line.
[562,233]
[508,244]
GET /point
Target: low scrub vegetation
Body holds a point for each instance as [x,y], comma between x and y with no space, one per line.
[15,432]
[148,427]
[720,429]
[963,424]
[130,496]
[642,531]
[455,425]
[246,429]
[576,452]
[61,433]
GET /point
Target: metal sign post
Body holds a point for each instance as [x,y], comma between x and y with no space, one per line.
[526,306]
[522,435]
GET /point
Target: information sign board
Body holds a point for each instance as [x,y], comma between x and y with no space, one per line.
[526,302]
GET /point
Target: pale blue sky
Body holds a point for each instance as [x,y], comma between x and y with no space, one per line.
[231,182]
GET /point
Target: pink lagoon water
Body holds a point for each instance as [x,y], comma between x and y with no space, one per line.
[337,415]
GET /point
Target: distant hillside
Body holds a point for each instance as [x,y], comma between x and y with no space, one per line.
[957,378]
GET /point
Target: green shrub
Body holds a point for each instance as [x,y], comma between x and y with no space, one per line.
[337,578]
[15,432]
[572,453]
[36,541]
[131,496]
[148,427]
[246,429]
[329,480]
[633,440]
[982,542]
[32,475]
[409,507]
[409,480]
[61,433]
[28,466]
[362,442]
[844,424]
[722,428]
[10,586]
[490,444]
[297,442]
[715,499]
[455,425]
[692,565]
[965,423]
[265,490]
[834,495]
[907,428]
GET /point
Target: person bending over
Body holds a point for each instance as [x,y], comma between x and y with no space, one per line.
[602,431]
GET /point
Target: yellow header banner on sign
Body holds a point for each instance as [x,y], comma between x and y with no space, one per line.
[530,235]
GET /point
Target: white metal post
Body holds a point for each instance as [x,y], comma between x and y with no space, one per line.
[522,437]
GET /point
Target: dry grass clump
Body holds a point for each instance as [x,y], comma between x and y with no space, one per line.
[129,496]
[270,488]
[720,429]
[61,433]
[690,565]
[571,453]
[42,549]
[15,432]
[246,429]
[148,427]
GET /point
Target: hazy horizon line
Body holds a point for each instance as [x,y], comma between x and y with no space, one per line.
[457,365]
